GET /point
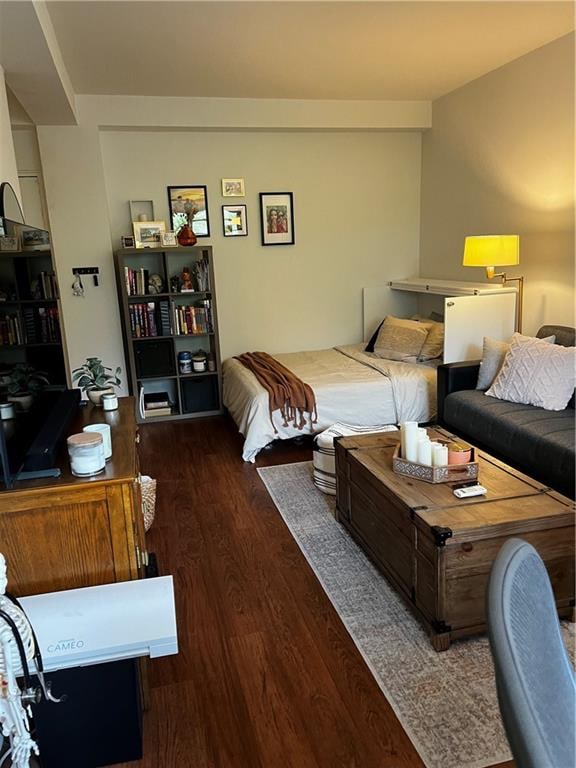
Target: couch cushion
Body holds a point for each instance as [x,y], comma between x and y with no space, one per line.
[539,442]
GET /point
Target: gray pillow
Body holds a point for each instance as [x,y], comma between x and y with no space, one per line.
[400,339]
[493,355]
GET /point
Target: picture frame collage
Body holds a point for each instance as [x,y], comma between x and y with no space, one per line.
[188,205]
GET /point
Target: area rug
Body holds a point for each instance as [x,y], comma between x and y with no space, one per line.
[446,702]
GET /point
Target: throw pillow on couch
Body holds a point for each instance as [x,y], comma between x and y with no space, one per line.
[535,372]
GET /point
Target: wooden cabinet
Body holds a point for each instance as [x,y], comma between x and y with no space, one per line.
[74,532]
[438,550]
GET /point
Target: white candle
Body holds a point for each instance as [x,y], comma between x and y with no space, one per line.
[439,455]
[104,430]
[422,432]
[425,452]
[410,441]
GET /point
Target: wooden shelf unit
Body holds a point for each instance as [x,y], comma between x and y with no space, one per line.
[39,342]
[152,358]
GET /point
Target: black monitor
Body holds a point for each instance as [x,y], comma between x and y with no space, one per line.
[29,444]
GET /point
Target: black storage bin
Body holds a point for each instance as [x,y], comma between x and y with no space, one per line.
[154,358]
[99,723]
[200,393]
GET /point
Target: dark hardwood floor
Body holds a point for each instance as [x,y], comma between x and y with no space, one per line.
[267,675]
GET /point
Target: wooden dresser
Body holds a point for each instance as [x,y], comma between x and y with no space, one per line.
[70,532]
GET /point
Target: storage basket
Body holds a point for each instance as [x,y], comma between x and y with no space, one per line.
[450,473]
[148,486]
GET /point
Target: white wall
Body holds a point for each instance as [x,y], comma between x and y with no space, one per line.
[8,170]
[78,215]
[500,159]
[356,198]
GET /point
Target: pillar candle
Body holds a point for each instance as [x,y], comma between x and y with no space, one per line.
[410,441]
[425,452]
[439,455]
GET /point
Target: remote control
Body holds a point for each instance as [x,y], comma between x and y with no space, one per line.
[471,490]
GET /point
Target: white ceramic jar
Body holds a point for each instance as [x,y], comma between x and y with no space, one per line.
[86,452]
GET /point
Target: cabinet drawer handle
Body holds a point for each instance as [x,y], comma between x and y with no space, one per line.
[137,438]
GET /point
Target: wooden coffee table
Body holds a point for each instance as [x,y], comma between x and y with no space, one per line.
[436,549]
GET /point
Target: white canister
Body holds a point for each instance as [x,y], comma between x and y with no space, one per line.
[109,402]
[86,452]
[7,411]
[105,431]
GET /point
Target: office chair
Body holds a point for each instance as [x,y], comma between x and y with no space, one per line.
[534,678]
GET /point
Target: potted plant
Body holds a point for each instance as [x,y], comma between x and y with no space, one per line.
[96,379]
[22,383]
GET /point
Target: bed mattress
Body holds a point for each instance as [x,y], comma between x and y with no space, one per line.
[349,384]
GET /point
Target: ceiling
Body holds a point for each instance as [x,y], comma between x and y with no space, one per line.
[290,50]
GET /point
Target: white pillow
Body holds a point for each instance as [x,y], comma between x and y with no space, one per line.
[493,354]
[536,372]
[400,339]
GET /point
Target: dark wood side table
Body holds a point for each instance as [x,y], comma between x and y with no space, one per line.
[437,550]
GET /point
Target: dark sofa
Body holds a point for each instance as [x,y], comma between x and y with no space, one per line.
[535,441]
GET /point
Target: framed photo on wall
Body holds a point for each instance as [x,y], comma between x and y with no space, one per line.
[277,218]
[189,205]
[234,220]
[233,188]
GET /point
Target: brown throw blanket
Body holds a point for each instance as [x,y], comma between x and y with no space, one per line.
[286,392]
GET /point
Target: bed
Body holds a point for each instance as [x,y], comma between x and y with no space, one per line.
[350,385]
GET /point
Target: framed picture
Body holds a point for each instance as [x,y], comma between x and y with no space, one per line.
[233,188]
[234,220]
[35,240]
[147,233]
[277,218]
[127,241]
[9,244]
[168,239]
[189,205]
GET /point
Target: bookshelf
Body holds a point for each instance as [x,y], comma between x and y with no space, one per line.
[30,331]
[161,319]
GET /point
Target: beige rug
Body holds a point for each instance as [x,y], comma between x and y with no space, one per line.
[446,702]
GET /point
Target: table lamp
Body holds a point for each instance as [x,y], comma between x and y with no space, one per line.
[496,250]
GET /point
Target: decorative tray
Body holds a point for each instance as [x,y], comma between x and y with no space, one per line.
[451,473]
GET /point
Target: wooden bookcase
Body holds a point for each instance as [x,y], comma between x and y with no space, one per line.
[30,326]
[159,321]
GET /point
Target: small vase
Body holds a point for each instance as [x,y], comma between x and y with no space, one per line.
[186,236]
[95,395]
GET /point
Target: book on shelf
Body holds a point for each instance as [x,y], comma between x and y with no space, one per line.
[151,413]
[148,319]
[137,281]
[154,400]
[10,330]
[191,319]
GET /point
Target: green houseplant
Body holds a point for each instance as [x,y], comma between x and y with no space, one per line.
[22,383]
[96,379]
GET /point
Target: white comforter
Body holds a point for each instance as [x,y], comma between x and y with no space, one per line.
[350,386]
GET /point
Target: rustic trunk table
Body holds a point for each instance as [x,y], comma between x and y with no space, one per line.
[436,549]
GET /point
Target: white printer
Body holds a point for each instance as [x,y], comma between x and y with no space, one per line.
[95,625]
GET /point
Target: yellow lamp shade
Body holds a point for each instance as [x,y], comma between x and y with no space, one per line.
[491,250]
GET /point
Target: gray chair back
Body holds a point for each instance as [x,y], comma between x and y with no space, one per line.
[565,335]
[534,677]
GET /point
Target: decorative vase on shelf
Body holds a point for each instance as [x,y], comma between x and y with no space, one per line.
[186,236]
[95,395]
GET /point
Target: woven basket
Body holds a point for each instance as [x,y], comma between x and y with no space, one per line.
[148,486]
